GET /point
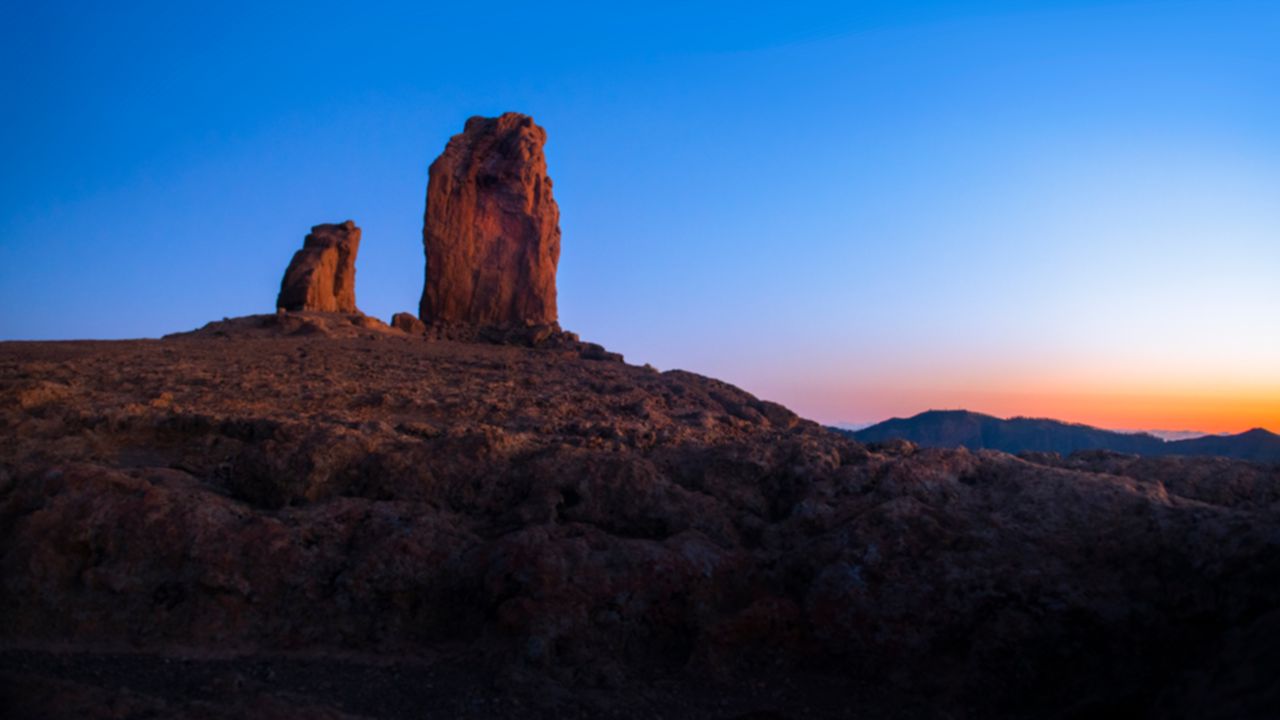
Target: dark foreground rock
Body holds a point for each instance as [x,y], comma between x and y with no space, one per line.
[261,519]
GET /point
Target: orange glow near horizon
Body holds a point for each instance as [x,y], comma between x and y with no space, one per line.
[1213,414]
[1217,410]
[1116,388]
[1206,413]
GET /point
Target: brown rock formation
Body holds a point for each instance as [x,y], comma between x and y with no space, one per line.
[492,228]
[322,275]
[550,532]
[408,323]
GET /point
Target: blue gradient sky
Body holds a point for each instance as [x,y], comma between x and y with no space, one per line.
[860,209]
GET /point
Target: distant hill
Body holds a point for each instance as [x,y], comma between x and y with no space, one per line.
[1162,434]
[961,428]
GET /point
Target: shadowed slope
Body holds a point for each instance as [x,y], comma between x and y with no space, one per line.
[565,536]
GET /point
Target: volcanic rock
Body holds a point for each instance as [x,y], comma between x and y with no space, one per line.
[301,324]
[502,531]
[322,275]
[492,228]
[408,322]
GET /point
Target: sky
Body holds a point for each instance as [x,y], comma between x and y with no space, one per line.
[862,210]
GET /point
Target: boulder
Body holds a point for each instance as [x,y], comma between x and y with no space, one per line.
[492,229]
[409,323]
[322,275]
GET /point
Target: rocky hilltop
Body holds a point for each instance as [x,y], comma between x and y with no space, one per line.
[366,523]
[315,514]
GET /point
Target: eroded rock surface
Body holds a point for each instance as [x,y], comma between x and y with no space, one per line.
[408,322]
[322,275]
[358,515]
[492,228]
[302,324]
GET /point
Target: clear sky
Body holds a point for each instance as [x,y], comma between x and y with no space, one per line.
[859,209]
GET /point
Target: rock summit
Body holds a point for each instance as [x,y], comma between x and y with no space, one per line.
[322,275]
[492,228]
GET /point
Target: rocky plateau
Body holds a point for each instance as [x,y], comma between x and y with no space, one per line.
[248,520]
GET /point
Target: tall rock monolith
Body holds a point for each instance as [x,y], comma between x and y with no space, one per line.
[492,229]
[322,275]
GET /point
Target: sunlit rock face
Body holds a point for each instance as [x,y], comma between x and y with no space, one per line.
[492,228]
[322,275]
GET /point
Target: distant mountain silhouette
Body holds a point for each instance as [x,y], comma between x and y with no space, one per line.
[961,428]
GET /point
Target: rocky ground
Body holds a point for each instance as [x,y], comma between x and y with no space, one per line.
[319,516]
